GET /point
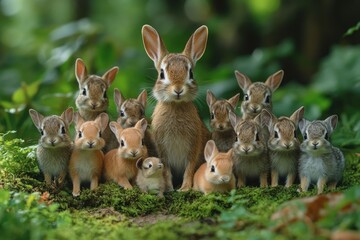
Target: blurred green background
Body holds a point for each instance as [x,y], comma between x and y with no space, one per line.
[315,42]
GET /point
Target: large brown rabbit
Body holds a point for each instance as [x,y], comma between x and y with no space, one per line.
[92,99]
[178,130]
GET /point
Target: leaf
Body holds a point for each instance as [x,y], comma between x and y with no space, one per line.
[26,92]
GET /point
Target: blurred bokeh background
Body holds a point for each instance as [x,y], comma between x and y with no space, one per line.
[316,42]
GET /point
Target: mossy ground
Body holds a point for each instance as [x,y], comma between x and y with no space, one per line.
[111,212]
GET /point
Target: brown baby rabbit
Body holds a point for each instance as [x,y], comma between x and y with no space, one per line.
[216,175]
[92,99]
[120,164]
[86,163]
[130,112]
[283,145]
[223,133]
[257,95]
[250,151]
[150,176]
[179,132]
[55,145]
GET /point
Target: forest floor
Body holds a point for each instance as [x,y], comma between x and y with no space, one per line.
[30,210]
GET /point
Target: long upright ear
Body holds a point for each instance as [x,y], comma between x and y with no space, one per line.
[302,125]
[210,150]
[274,81]
[81,72]
[78,120]
[142,98]
[141,125]
[210,98]
[68,115]
[102,120]
[139,163]
[331,122]
[153,44]
[234,119]
[110,75]
[196,45]
[267,118]
[243,81]
[234,100]
[116,129]
[118,99]
[297,115]
[36,117]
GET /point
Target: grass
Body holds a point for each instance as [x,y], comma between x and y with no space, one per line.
[112,213]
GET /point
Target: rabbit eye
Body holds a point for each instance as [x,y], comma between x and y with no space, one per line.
[236,139]
[142,142]
[267,100]
[276,135]
[305,136]
[63,130]
[122,114]
[105,95]
[246,97]
[326,136]
[212,168]
[100,134]
[257,137]
[191,75]
[150,166]
[80,134]
[122,144]
[162,75]
[295,134]
[84,91]
[42,132]
[212,116]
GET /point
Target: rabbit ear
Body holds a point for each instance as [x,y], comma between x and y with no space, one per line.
[210,150]
[331,123]
[102,120]
[68,115]
[116,129]
[267,118]
[36,117]
[142,98]
[141,125]
[210,98]
[153,44]
[110,75]
[196,45]
[243,81]
[302,125]
[118,99]
[78,120]
[297,115]
[81,72]
[139,163]
[234,100]
[234,119]
[274,81]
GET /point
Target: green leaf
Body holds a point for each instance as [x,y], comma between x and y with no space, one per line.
[25,92]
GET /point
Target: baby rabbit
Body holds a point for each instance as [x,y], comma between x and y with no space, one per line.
[257,95]
[283,145]
[319,161]
[249,150]
[150,176]
[130,112]
[120,164]
[179,132]
[223,133]
[55,146]
[92,99]
[216,174]
[86,161]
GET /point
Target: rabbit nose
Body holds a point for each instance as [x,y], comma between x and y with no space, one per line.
[315,144]
[225,178]
[255,109]
[134,153]
[53,141]
[246,149]
[91,144]
[178,92]
[287,145]
[93,105]
[221,127]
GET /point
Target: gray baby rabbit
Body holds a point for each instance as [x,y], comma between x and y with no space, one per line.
[320,162]
[132,110]
[222,132]
[55,145]
[92,99]
[283,145]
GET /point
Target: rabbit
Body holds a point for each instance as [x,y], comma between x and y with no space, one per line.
[92,99]
[178,130]
[250,154]
[130,112]
[283,145]
[120,164]
[223,133]
[150,176]
[320,161]
[216,175]
[257,95]
[87,159]
[55,145]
